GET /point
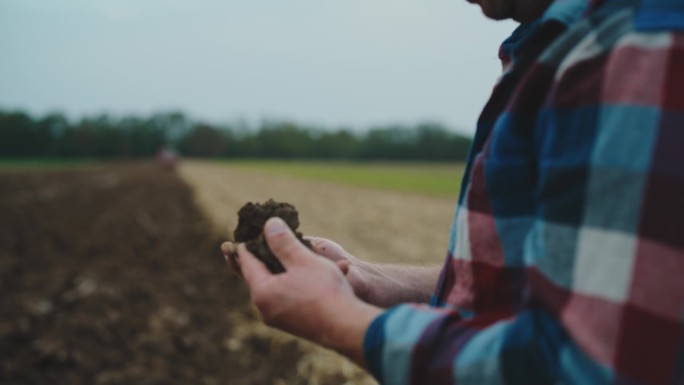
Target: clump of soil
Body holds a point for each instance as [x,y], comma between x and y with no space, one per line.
[251,220]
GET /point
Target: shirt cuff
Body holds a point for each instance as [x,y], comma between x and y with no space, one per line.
[391,339]
[373,344]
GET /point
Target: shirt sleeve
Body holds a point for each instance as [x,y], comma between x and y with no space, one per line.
[412,345]
[392,339]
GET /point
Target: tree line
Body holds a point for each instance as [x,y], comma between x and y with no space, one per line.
[107,137]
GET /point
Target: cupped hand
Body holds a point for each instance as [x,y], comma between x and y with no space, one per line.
[382,285]
[357,271]
[323,247]
[312,299]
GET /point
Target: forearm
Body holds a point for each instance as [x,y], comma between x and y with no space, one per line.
[390,285]
[382,285]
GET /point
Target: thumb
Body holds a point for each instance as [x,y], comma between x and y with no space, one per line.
[343,264]
[283,243]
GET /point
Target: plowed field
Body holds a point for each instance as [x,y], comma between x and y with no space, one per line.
[112,275]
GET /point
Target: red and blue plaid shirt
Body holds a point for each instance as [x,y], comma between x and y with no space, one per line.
[566,260]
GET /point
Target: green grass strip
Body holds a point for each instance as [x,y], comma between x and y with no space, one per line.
[44,164]
[439,179]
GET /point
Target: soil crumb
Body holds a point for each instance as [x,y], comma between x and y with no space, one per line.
[251,220]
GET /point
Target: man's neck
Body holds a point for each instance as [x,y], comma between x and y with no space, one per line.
[527,11]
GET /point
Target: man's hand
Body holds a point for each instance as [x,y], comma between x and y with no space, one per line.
[312,299]
[380,284]
[355,269]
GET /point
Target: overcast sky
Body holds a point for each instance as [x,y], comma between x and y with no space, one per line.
[336,63]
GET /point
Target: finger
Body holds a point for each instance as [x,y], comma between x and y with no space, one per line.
[317,244]
[328,249]
[230,254]
[234,264]
[253,270]
[228,248]
[283,243]
[343,265]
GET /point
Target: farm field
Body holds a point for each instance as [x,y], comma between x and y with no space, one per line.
[112,274]
[373,223]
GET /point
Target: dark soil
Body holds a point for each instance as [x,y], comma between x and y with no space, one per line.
[112,276]
[251,220]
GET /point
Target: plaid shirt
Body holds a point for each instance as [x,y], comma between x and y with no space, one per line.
[566,260]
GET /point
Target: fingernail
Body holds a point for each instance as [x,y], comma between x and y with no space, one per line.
[275,226]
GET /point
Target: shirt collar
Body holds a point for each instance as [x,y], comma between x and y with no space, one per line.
[566,12]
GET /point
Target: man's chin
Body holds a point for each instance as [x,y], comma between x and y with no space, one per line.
[496,9]
[496,16]
[519,10]
[495,13]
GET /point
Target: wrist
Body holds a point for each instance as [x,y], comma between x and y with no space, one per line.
[389,285]
[366,282]
[347,328]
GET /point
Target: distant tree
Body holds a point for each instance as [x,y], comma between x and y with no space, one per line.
[20,136]
[55,125]
[203,141]
[435,142]
[105,136]
[388,143]
[147,138]
[173,124]
[338,145]
[284,140]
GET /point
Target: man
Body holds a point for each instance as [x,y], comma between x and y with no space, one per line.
[566,260]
